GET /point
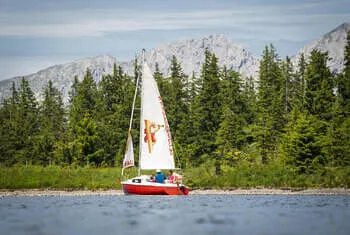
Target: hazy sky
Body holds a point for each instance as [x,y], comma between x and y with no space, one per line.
[35,34]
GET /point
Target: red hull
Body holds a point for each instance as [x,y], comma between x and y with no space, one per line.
[159,189]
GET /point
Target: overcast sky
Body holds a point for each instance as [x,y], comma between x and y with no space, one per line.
[35,34]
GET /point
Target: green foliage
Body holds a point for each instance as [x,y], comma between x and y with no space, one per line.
[271,104]
[288,129]
[300,84]
[343,82]
[114,109]
[303,142]
[230,136]
[84,100]
[291,87]
[206,108]
[319,91]
[54,177]
[203,177]
[20,125]
[270,175]
[51,118]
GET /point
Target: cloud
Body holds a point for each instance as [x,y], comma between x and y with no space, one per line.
[33,30]
[266,19]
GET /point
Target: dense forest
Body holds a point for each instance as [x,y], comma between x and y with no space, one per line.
[295,117]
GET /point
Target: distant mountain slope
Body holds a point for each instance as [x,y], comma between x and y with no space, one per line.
[190,54]
[333,42]
[62,75]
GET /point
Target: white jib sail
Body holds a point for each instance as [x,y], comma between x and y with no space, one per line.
[129,154]
[156,143]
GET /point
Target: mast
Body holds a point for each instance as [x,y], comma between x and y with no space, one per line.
[133,104]
[141,118]
[131,116]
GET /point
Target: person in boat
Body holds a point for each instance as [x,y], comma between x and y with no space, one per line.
[152,178]
[160,177]
[171,177]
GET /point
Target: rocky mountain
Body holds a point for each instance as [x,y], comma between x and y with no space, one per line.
[333,42]
[190,54]
[62,75]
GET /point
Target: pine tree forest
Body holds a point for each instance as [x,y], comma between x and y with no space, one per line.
[294,117]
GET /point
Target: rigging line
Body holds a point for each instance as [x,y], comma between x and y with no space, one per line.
[141,109]
[133,103]
[131,117]
[177,157]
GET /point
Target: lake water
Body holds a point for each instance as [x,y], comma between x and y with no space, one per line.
[161,215]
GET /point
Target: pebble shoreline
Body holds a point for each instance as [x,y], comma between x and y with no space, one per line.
[252,191]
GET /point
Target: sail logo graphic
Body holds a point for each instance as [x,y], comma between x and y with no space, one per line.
[151,128]
[128,163]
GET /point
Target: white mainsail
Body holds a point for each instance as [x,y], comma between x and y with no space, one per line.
[156,145]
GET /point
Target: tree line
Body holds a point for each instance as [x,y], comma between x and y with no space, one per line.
[295,116]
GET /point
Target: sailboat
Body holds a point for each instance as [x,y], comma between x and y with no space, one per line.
[156,147]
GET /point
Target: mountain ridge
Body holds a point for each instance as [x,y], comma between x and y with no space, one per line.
[332,42]
[189,53]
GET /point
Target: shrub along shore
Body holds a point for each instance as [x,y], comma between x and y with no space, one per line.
[201,178]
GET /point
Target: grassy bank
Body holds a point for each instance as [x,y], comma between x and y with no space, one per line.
[22,177]
[266,176]
[54,177]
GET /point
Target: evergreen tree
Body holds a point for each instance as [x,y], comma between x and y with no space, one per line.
[320,107]
[230,137]
[158,76]
[250,99]
[343,86]
[85,149]
[301,144]
[116,96]
[52,110]
[290,85]
[340,145]
[51,124]
[185,143]
[300,84]
[250,117]
[176,107]
[84,101]
[319,90]
[8,127]
[271,105]
[74,89]
[82,114]
[207,109]
[27,124]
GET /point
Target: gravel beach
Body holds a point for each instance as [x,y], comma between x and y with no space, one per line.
[238,191]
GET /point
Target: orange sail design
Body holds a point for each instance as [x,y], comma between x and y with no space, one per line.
[151,128]
[148,137]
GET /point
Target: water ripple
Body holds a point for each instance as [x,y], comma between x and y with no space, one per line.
[195,214]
